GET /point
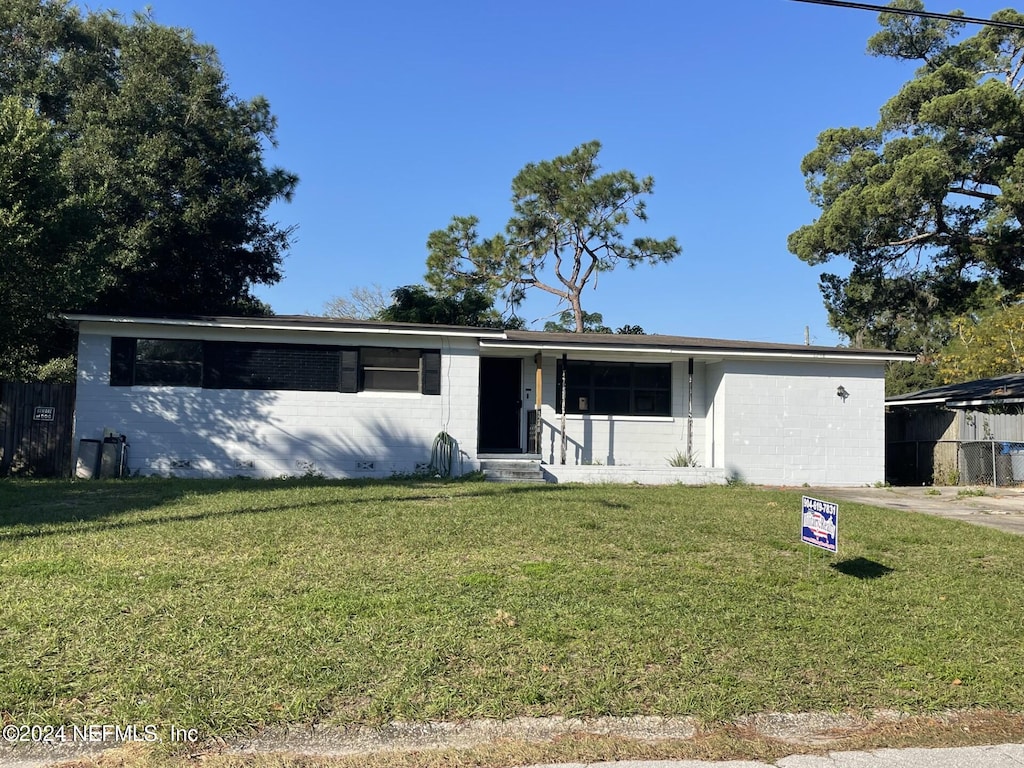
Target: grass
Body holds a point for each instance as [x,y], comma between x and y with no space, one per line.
[237,604]
[968,492]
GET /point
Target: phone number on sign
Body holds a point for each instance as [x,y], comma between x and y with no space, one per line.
[62,734]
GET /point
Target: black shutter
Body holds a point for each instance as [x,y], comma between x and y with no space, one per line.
[348,380]
[213,364]
[122,361]
[430,361]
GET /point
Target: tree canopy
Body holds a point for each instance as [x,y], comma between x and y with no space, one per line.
[151,191]
[985,345]
[417,304]
[364,302]
[928,204]
[567,224]
[593,322]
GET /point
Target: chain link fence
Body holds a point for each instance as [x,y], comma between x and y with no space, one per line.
[990,462]
[946,462]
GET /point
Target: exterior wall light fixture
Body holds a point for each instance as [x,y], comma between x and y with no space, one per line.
[841,393]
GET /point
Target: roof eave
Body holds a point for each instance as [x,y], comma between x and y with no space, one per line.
[695,351]
[269,324]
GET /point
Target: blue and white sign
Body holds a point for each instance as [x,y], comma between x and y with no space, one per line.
[819,522]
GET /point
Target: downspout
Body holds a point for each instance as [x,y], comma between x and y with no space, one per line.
[689,416]
[565,366]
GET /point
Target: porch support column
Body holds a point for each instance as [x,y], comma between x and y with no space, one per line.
[538,430]
[565,368]
[689,414]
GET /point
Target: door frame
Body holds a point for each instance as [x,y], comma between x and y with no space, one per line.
[496,439]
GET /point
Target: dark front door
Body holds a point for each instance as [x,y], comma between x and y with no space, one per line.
[501,382]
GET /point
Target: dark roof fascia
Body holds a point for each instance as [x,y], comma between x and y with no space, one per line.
[289,322]
[684,344]
[500,338]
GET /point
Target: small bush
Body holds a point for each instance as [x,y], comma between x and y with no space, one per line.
[681,459]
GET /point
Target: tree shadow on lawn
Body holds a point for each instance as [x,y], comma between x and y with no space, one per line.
[48,508]
[862,568]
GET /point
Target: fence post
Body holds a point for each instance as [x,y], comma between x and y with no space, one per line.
[995,469]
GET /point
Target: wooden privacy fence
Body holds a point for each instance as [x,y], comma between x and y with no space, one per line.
[36,421]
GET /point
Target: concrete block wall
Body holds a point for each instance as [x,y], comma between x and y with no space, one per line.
[624,440]
[782,423]
[194,432]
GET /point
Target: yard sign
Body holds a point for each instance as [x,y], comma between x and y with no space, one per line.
[820,524]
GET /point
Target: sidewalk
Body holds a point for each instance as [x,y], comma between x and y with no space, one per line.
[1001,756]
[795,733]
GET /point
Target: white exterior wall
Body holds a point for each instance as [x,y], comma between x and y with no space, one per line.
[623,440]
[767,421]
[781,423]
[226,432]
[714,433]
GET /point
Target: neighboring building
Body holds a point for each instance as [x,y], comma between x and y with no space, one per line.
[223,396]
[957,434]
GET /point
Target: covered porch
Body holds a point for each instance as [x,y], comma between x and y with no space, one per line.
[596,413]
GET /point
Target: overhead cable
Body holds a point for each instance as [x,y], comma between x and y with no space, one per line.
[909,12]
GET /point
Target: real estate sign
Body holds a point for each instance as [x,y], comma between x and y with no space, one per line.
[819,522]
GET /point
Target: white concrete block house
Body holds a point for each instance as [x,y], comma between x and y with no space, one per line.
[286,395]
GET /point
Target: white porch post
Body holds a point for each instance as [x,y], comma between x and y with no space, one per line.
[565,366]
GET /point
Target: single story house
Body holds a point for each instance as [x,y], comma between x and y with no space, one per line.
[288,395]
[957,434]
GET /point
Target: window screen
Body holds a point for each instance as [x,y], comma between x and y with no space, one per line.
[391,370]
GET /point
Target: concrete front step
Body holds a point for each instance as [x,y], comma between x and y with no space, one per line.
[490,478]
[512,470]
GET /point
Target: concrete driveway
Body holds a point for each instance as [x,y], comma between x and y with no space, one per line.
[1001,508]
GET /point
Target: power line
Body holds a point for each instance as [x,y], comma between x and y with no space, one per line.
[908,12]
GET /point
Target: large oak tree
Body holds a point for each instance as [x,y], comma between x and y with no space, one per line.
[162,166]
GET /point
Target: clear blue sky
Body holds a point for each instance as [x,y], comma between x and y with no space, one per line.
[398,115]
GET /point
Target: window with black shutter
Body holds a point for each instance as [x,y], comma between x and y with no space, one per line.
[268,366]
[122,361]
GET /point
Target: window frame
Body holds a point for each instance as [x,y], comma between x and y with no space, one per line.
[127,369]
[596,393]
[381,367]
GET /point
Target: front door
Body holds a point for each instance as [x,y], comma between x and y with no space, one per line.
[501,385]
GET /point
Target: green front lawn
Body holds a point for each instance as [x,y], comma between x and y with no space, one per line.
[223,605]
